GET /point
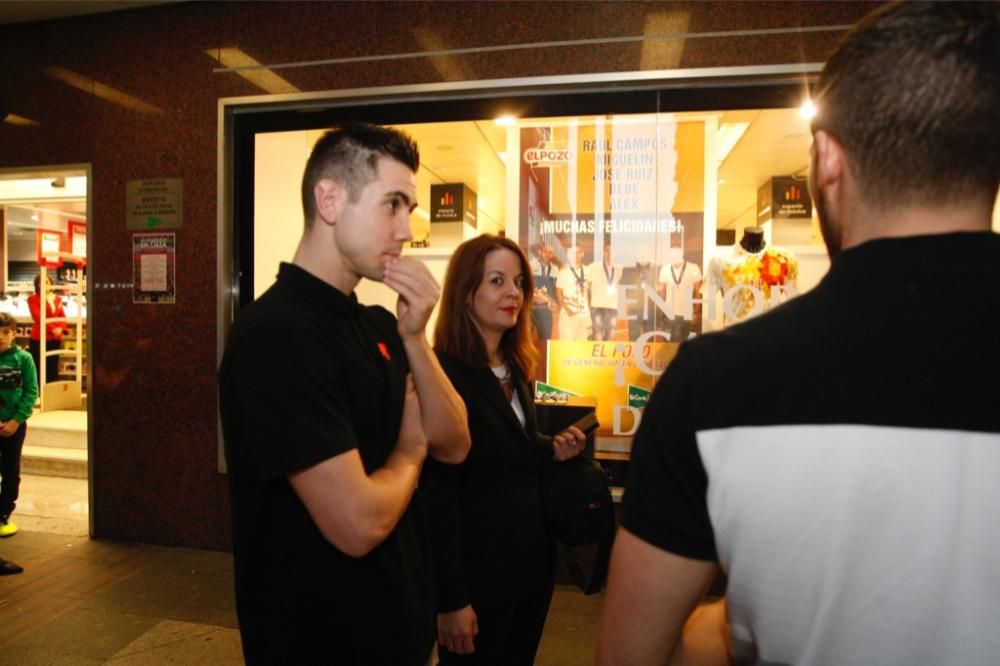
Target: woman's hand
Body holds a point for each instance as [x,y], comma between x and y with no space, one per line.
[457,629]
[568,443]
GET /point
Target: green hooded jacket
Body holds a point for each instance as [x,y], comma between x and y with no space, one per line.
[18,384]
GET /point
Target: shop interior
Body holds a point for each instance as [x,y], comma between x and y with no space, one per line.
[43,218]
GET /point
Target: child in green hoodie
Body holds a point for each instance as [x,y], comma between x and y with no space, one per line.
[18,390]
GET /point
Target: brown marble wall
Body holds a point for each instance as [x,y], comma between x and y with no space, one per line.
[153,367]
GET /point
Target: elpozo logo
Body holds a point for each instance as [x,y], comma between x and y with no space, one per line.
[548,155]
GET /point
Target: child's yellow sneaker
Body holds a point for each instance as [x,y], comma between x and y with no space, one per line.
[7,529]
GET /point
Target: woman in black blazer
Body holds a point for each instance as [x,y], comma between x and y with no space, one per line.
[494,558]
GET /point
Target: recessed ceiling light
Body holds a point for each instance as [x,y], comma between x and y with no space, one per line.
[808,109]
[505,121]
[252,70]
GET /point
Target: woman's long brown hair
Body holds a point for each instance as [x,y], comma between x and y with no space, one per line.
[456,333]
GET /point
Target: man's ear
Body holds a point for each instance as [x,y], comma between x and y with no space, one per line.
[830,162]
[330,198]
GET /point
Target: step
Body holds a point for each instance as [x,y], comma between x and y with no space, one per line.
[54,461]
[58,429]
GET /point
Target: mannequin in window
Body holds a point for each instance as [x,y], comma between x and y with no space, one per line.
[752,277]
[753,240]
[55,326]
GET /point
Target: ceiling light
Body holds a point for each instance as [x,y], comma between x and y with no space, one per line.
[435,45]
[808,109]
[506,121]
[728,136]
[252,70]
[98,89]
[14,119]
[663,43]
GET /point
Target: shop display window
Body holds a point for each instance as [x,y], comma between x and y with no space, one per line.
[645,216]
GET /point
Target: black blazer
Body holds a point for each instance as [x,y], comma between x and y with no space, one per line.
[489,540]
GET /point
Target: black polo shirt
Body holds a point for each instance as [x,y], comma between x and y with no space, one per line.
[308,374]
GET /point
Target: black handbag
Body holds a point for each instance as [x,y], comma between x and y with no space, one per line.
[580,513]
[578,501]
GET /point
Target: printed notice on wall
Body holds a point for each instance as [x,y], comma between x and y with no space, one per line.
[154,203]
[153,264]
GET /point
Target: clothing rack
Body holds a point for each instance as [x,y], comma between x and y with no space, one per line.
[62,394]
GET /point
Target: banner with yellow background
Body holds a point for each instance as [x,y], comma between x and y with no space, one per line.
[619,374]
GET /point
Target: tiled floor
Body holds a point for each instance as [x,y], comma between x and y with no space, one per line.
[84,602]
[81,601]
[52,504]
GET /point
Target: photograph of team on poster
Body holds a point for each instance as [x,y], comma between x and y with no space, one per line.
[612,216]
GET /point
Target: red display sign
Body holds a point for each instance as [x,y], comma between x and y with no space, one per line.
[48,246]
[78,240]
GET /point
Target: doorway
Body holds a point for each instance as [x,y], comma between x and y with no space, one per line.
[44,214]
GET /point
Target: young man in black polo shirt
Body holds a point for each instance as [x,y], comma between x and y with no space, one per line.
[325,437]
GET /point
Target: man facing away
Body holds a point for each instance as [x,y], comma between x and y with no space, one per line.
[325,436]
[854,508]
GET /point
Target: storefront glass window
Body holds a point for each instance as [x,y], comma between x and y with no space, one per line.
[636,225]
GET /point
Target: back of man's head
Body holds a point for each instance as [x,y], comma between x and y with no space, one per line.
[913,95]
[349,155]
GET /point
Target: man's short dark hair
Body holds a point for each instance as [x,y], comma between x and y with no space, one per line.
[913,95]
[7,321]
[349,155]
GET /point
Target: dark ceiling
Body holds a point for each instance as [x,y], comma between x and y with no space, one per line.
[19,11]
